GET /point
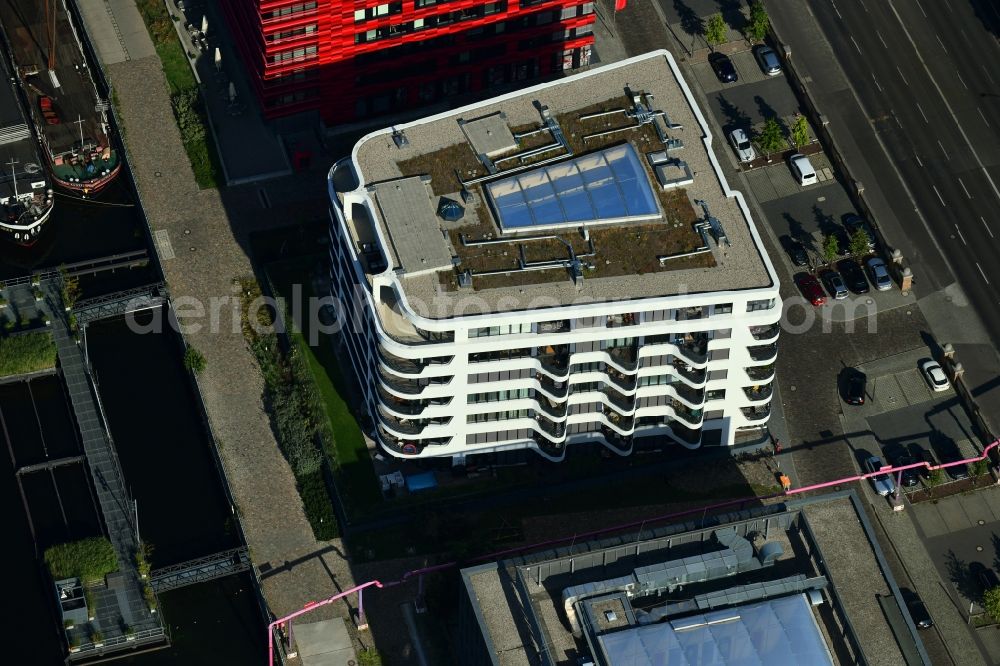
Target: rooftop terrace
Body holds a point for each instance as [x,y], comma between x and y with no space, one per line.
[565,191]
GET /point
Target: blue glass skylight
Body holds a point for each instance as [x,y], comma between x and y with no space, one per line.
[599,188]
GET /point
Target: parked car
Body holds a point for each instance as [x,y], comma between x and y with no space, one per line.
[856,388]
[935,376]
[742,146]
[855,222]
[853,276]
[768,60]
[882,483]
[908,477]
[920,454]
[796,251]
[879,274]
[834,284]
[950,454]
[723,67]
[843,241]
[802,169]
[918,611]
[810,288]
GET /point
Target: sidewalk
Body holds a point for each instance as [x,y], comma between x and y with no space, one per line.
[208,257]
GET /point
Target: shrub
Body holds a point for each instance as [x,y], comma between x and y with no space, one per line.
[28,352]
[369,657]
[859,243]
[991,602]
[760,22]
[831,247]
[194,360]
[980,467]
[800,131]
[715,30]
[90,560]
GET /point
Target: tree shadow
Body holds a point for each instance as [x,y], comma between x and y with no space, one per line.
[827,224]
[767,112]
[961,576]
[798,232]
[735,116]
[732,14]
[691,23]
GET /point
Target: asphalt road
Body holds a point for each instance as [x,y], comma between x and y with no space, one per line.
[926,75]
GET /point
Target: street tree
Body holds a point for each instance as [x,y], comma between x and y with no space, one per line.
[859,243]
[831,248]
[800,131]
[715,30]
[771,138]
[760,22]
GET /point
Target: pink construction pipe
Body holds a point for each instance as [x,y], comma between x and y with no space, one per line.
[309,607]
[313,605]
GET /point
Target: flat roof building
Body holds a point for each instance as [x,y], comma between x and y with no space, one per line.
[798,583]
[562,264]
[353,60]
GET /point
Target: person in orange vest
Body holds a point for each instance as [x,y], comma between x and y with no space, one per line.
[786,483]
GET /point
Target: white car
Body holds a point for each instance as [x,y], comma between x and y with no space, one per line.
[802,169]
[742,146]
[935,376]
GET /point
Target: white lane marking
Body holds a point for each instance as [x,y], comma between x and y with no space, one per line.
[988,75]
[901,76]
[855,44]
[922,114]
[950,8]
[918,159]
[943,47]
[982,273]
[963,81]
[940,198]
[987,226]
[946,155]
[836,10]
[876,82]
[884,45]
[899,123]
[964,188]
[863,5]
[921,8]
[960,235]
[951,111]
[982,116]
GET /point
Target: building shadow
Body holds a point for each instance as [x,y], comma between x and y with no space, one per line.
[988,14]
[961,576]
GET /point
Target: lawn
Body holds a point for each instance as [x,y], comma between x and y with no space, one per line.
[180,79]
[90,560]
[354,472]
[27,352]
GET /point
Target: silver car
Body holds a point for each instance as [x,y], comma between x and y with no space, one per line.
[742,146]
[768,60]
[883,483]
[879,274]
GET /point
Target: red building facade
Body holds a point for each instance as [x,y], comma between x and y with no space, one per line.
[353,59]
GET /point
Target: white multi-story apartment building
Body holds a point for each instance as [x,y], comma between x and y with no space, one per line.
[562,264]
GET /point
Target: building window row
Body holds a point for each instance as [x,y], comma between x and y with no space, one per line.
[290,10]
[496,396]
[386,32]
[509,329]
[292,33]
[508,415]
[301,53]
[295,97]
[764,304]
[377,11]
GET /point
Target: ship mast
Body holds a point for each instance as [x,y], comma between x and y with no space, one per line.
[50,27]
[13,174]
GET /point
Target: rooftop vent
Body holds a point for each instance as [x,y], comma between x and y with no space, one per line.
[399,138]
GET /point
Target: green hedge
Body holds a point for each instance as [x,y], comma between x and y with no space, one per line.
[27,352]
[184,96]
[90,560]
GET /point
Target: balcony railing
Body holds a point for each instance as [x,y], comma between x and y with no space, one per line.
[756,413]
[554,449]
[554,359]
[552,428]
[623,403]
[407,446]
[765,332]
[557,410]
[626,356]
[411,386]
[686,314]
[626,319]
[410,366]
[760,373]
[693,346]
[692,374]
[763,352]
[685,413]
[622,381]
[760,392]
[402,405]
[618,441]
[411,426]
[694,396]
[623,421]
[554,387]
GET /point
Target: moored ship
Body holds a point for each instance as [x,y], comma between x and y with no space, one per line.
[69,116]
[25,194]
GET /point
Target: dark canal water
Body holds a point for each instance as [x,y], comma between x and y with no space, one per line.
[165,455]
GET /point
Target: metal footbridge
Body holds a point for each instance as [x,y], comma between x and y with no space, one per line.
[120,303]
[199,570]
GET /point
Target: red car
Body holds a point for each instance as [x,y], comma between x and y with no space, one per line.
[810,288]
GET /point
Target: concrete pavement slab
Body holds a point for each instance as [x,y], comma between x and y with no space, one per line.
[931,522]
[887,395]
[325,643]
[747,67]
